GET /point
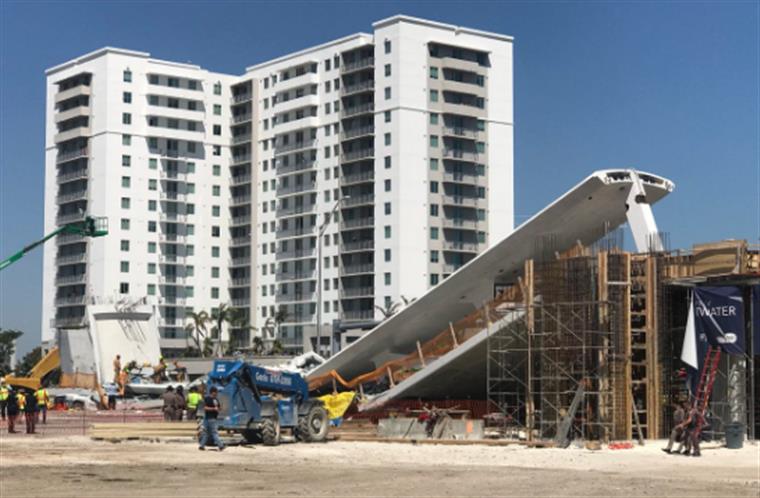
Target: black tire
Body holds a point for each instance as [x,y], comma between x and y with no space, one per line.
[312,427]
[252,436]
[270,431]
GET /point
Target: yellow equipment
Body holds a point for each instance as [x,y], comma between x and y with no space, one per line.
[47,364]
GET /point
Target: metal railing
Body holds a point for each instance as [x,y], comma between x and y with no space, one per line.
[79,174]
[240,220]
[291,168]
[357,292]
[357,269]
[357,223]
[71,300]
[71,258]
[305,144]
[357,87]
[240,179]
[460,131]
[460,246]
[357,155]
[72,196]
[79,278]
[62,157]
[367,176]
[362,245]
[358,109]
[358,315]
[245,261]
[358,64]
[358,200]
[357,132]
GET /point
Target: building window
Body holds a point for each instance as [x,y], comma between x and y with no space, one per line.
[217,151]
[433,119]
[126,118]
[126,160]
[151,226]
[216,190]
[433,95]
[215,231]
[433,279]
[217,88]
[189,250]
[153,163]
[152,184]
[481,214]
[124,266]
[125,202]
[126,139]
[387,278]
[481,192]
[217,129]
[387,139]
[434,164]
[215,251]
[189,291]
[124,288]
[217,170]
[190,208]
[434,233]
[434,210]
[387,208]
[387,116]
[151,289]
[481,125]
[387,93]
[387,255]
[434,73]
[124,245]
[387,45]
[125,223]
[387,185]
[387,162]
[433,256]
[215,293]
[214,272]
[481,147]
[125,181]
[153,142]
[153,79]
[152,205]
[433,187]
[434,140]
[190,229]
[387,69]
[126,97]
[127,76]
[481,237]
[151,247]
[151,268]
[387,231]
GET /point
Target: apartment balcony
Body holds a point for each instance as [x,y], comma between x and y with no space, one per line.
[171,238]
[357,223]
[462,110]
[71,155]
[357,155]
[241,159]
[358,246]
[80,300]
[295,189]
[171,280]
[364,86]
[171,259]
[172,175]
[79,195]
[240,221]
[295,167]
[306,100]
[69,322]
[242,302]
[304,123]
[240,282]
[78,174]
[295,146]
[240,241]
[453,245]
[367,268]
[464,87]
[241,98]
[305,318]
[461,155]
[296,254]
[362,131]
[69,238]
[71,259]
[354,110]
[241,139]
[75,112]
[460,132]
[460,223]
[78,132]
[292,276]
[296,210]
[196,135]
[352,179]
[240,179]
[77,91]
[77,279]
[172,216]
[171,301]
[357,292]
[63,219]
[177,113]
[358,65]
[462,65]
[451,268]
[464,179]
[296,297]
[459,200]
[171,196]
[358,200]
[296,232]
[238,262]
[241,118]
[297,81]
[171,91]
[240,200]
[358,315]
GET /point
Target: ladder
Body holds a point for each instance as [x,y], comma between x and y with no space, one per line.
[705,387]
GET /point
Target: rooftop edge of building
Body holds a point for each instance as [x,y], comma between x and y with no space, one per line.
[435,24]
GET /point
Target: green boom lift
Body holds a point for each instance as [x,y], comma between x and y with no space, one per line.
[90,227]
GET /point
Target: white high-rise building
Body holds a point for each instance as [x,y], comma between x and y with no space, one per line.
[395,146]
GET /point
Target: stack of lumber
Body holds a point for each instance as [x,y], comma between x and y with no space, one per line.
[354,430]
[144,430]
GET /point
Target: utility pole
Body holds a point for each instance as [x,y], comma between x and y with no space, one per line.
[322,229]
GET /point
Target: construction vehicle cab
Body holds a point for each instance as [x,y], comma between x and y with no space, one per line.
[259,403]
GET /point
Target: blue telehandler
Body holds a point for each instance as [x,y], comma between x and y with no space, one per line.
[260,402]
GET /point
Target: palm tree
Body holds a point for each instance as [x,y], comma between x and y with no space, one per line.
[220,315]
[389,310]
[197,328]
[258,345]
[408,301]
[279,317]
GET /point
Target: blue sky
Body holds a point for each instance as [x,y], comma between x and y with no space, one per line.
[668,87]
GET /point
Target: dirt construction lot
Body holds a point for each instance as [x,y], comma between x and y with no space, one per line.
[78,466]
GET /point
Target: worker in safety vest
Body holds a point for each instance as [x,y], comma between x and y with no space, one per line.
[194,399]
[4,392]
[42,403]
[12,406]
[21,401]
[30,412]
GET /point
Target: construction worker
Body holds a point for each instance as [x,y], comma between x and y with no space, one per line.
[30,412]
[3,397]
[12,407]
[179,403]
[692,432]
[180,372]
[193,400]
[677,434]
[169,403]
[116,368]
[42,403]
[211,408]
[20,401]
[159,371]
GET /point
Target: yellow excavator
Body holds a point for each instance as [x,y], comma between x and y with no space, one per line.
[47,364]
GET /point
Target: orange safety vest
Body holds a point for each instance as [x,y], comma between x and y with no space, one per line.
[21,401]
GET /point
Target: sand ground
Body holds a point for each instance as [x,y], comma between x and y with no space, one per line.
[79,466]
